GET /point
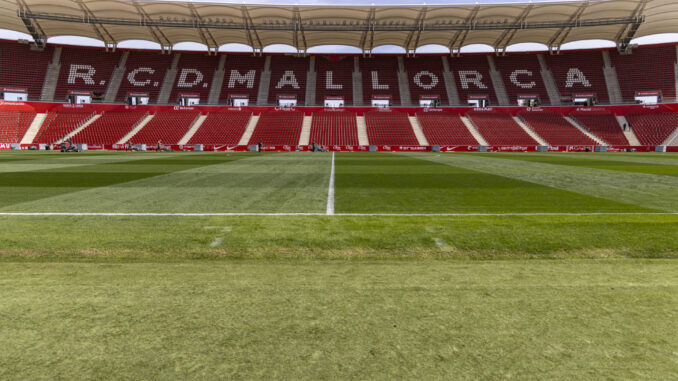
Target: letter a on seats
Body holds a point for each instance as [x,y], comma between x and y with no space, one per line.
[288,79]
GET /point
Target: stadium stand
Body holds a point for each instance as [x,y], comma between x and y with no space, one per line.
[389,128]
[21,67]
[646,69]
[59,124]
[334,128]
[222,128]
[380,77]
[334,78]
[522,75]
[145,73]
[242,76]
[278,128]
[579,72]
[472,76]
[602,124]
[445,129]
[288,77]
[653,129]
[194,76]
[555,129]
[169,127]
[13,125]
[425,75]
[500,129]
[84,69]
[109,128]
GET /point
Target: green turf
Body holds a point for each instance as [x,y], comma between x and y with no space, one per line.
[339,297]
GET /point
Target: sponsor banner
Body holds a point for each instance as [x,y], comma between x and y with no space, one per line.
[5,146]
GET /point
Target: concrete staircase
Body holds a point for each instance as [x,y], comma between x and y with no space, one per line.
[264,83]
[403,84]
[362,131]
[549,81]
[305,137]
[217,82]
[530,131]
[245,138]
[357,83]
[474,131]
[52,77]
[136,129]
[33,129]
[82,127]
[194,128]
[418,132]
[630,135]
[450,84]
[498,83]
[168,81]
[116,79]
[611,79]
[586,132]
[311,77]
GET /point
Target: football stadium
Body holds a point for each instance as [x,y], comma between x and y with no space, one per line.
[406,190]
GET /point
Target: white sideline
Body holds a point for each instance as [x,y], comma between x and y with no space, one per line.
[103,214]
[330,191]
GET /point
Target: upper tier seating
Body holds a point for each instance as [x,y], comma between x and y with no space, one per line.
[334,128]
[602,124]
[194,76]
[653,129]
[445,129]
[288,77]
[21,67]
[242,74]
[13,125]
[278,128]
[472,77]
[222,128]
[425,75]
[145,72]
[647,69]
[84,69]
[109,128]
[60,123]
[579,72]
[334,72]
[167,126]
[500,129]
[555,129]
[389,128]
[380,77]
[522,76]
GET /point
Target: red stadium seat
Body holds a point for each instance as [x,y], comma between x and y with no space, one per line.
[380,77]
[500,129]
[555,129]
[445,129]
[167,126]
[13,125]
[59,124]
[222,128]
[110,127]
[602,124]
[653,129]
[334,128]
[389,128]
[278,128]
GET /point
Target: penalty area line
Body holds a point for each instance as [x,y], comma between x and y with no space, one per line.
[103,214]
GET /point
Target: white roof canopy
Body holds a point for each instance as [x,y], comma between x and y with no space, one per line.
[365,27]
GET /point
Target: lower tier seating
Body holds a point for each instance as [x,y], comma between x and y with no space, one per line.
[167,127]
[389,128]
[334,128]
[278,128]
[13,125]
[109,128]
[59,124]
[500,129]
[602,124]
[653,129]
[555,129]
[222,128]
[445,129]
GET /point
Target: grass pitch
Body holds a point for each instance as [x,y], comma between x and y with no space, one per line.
[435,266]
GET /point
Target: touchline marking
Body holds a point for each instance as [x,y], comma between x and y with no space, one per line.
[95,214]
[330,191]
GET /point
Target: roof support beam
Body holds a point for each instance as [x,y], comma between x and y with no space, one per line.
[558,39]
[505,39]
[205,34]
[627,31]
[458,39]
[158,35]
[252,35]
[299,32]
[32,26]
[369,31]
[99,29]
[415,34]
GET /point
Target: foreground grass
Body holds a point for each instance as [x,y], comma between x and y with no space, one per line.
[97,238]
[328,319]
